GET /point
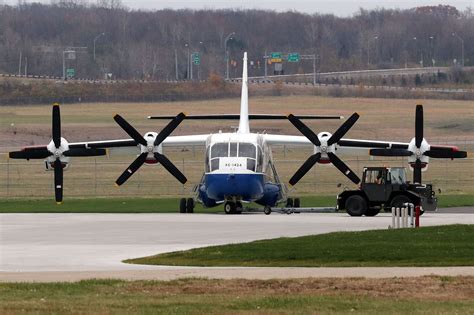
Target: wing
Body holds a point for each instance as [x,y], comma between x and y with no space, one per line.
[345,146]
[171,141]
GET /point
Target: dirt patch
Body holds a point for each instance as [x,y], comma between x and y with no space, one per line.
[445,288]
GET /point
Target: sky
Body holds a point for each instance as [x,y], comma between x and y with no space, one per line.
[337,7]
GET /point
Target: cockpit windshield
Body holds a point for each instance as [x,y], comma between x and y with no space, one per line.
[220,150]
[235,149]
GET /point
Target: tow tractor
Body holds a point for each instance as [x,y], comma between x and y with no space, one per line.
[384,188]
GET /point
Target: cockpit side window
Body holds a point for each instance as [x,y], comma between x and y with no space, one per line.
[219,150]
[247,150]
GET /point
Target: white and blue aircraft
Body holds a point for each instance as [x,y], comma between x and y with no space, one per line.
[238,166]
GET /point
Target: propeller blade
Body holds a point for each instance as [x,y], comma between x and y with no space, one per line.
[58,181]
[85,152]
[339,164]
[170,167]
[56,125]
[131,169]
[446,154]
[307,165]
[132,132]
[390,152]
[418,125]
[169,128]
[30,154]
[341,131]
[417,172]
[308,133]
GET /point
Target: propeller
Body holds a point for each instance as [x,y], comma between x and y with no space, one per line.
[150,147]
[419,149]
[55,152]
[324,148]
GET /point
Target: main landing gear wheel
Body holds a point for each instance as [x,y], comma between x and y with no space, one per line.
[190,205]
[289,203]
[182,205]
[229,207]
[297,203]
[267,210]
[356,206]
[239,207]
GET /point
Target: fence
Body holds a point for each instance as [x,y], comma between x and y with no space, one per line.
[95,177]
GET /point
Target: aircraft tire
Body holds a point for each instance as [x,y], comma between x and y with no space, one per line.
[289,203]
[190,205]
[238,208]
[182,205]
[229,207]
[297,202]
[267,210]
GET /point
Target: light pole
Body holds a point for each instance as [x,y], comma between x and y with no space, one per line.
[200,57]
[432,50]
[226,54]
[187,65]
[95,39]
[376,37]
[462,47]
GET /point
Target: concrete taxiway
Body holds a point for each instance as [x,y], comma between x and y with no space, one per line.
[77,246]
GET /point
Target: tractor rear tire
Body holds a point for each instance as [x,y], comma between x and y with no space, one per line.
[356,206]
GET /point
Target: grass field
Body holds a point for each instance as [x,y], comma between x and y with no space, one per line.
[428,246]
[426,295]
[446,121]
[164,205]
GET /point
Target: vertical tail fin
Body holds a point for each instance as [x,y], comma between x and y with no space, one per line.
[244,101]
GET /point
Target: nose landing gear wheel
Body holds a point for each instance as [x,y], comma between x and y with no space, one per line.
[229,207]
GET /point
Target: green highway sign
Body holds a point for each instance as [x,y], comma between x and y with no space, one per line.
[70,73]
[196,58]
[276,55]
[293,57]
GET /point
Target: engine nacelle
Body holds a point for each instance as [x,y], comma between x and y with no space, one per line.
[49,163]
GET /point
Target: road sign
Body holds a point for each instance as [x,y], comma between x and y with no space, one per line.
[275,57]
[196,58]
[70,73]
[293,57]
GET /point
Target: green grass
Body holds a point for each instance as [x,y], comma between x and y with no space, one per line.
[428,246]
[163,205]
[200,296]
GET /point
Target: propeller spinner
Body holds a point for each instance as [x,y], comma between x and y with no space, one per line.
[55,152]
[149,147]
[324,148]
[419,149]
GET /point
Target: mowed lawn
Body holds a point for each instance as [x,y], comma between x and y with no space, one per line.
[165,205]
[425,295]
[450,245]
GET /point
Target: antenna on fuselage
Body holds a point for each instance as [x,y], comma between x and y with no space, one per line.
[244,100]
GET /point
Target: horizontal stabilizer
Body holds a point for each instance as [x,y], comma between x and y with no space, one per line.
[251,116]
